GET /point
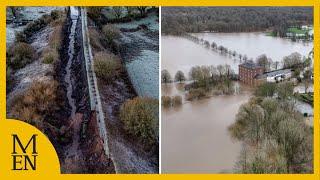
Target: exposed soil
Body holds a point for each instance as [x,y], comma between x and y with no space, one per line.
[85,154]
[128,154]
[76,139]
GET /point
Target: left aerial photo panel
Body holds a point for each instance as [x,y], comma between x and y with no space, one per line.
[88,78]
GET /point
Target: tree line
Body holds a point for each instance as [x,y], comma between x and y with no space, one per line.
[275,137]
[181,20]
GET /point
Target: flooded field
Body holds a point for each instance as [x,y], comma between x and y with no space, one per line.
[179,53]
[195,138]
[255,44]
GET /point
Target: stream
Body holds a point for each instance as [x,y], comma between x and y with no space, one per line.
[67,78]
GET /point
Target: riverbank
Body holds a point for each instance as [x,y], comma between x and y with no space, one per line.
[126,87]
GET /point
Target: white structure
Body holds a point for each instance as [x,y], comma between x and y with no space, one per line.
[277,76]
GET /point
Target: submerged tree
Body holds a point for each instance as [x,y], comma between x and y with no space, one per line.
[307,80]
[213,45]
[292,60]
[179,76]
[165,76]
[264,62]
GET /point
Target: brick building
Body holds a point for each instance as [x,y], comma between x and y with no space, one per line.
[248,71]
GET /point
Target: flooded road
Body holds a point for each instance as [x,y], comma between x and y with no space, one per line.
[195,137]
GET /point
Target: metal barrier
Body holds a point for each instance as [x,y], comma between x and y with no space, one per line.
[95,100]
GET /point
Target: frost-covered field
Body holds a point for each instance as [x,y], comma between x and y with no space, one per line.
[26,13]
[11,30]
[144,73]
[142,55]
[151,22]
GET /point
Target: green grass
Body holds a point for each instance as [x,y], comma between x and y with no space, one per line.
[272,34]
[296,30]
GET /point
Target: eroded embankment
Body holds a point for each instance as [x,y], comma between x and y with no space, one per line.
[128,153]
[59,90]
[85,154]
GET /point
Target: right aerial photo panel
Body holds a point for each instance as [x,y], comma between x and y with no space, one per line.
[237,90]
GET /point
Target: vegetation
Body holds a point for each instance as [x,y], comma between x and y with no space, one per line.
[166,101]
[174,101]
[179,77]
[55,39]
[140,118]
[19,55]
[37,103]
[50,56]
[264,62]
[179,20]
[111,33]
[293,60]
[197,93]
[37,25]
[95,13]
[306,97]
[177,101]
[307,81]
[265,90]
[285,90]
[107,66]
[95,40]
[207,78]
[275,136]
[165,76]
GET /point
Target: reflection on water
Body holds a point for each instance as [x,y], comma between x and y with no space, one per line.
[195,137]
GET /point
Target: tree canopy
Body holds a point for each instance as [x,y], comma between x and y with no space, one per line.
[179,20]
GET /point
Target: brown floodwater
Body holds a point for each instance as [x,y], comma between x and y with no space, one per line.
[194,137]
[181,54]
[256,43]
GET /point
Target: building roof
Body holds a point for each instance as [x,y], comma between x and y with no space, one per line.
[250,65]
[275,73]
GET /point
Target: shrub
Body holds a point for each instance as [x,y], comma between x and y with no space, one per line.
[140,118]
[9,78]
[111,32]
[95,39]
[50,56]
[94,13]
[55,14]
[265,90]
[196,94]
[20,55]
[33,27]
[166,101]
[55,39]
[106,66]
[37,102]
[177,101]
